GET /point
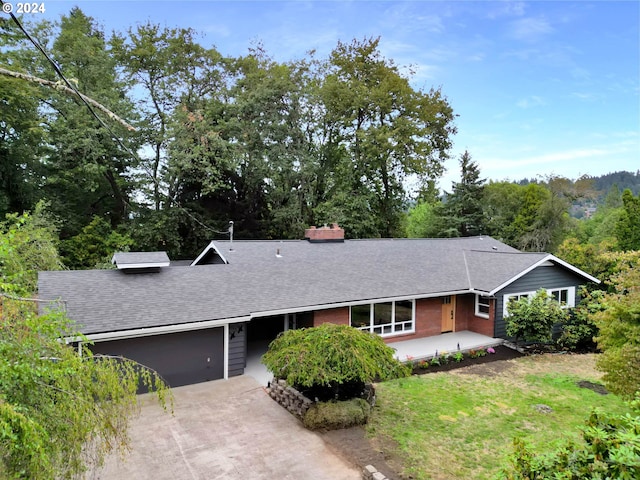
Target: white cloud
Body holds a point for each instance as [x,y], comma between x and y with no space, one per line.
[405,19]
[566,156]
[421,72]
[572,161]
[580,73]
[586,97]
[506,8]
[476,57]
[530,102]
[530,29]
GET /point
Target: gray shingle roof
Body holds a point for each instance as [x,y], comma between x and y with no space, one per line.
[304,275]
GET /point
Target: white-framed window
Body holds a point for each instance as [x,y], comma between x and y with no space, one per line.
[514,297]
[384,318]
[565,296]
[483,306]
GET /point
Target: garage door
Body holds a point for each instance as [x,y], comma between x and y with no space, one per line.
[181,358]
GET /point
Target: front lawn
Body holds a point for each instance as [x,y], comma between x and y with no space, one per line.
[460,424]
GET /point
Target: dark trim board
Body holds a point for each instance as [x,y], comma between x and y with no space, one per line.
[180,358]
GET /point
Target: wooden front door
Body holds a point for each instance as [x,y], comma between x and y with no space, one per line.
[448,313]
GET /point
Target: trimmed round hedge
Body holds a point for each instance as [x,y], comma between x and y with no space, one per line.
[330,355]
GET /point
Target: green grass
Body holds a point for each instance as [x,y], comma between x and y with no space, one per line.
[453,425]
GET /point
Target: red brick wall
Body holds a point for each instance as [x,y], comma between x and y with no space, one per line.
[464,311]
[466,316]
[339,316]
[428,317]
[428,320]
[481,325]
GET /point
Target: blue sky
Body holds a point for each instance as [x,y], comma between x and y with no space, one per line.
[540,87]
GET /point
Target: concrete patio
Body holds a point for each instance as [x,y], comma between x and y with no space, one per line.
[451,342]
[415,349]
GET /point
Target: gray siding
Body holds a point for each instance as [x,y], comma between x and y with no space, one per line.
[237,349]
[541,277]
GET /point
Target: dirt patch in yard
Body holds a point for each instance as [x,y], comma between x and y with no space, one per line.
[355,447]
[596,387]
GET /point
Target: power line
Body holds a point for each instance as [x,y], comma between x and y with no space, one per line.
[114,137]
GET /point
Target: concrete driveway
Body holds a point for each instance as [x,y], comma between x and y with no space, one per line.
[225,429]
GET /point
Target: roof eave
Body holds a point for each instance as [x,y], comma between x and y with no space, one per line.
[547,258]
[149,331]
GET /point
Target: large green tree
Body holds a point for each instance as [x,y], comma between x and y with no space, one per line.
[94,245]
[266,124]
[273,146]
[88,172]
[421,221]
[59,412]
[388,129]
[503,202]
[22,133]
[627,228]
[174,73]
[463,214]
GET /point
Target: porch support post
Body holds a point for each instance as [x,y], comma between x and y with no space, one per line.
[226,351]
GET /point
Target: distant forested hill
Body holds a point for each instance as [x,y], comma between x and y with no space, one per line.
[586,206]
[621,179]
[603,183]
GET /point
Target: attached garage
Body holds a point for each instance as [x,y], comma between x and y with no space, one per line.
[180,358]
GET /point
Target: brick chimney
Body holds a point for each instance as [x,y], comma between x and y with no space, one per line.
[325,234]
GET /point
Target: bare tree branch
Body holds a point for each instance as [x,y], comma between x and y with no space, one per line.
[63,88]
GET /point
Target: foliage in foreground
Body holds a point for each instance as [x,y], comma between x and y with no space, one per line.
[532,319]
[335,415]
[331,354]
[619,324]
[579,330]
[610,448]
[60,412]
[27,245]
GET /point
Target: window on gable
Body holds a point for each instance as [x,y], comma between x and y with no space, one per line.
[483,306]
[566,297]
[385,318]
[514,297]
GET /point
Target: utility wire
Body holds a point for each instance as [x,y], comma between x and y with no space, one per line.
[114,137]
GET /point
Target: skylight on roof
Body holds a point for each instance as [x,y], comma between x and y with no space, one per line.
[140,260]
